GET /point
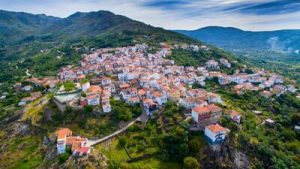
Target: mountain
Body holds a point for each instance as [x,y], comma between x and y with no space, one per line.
[15,26]
[36,33]
[92,24]
[278,51]
[236,39]
[20,27]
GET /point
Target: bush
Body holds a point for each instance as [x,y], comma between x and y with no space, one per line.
[63,157]
[69,86]
[190,163]
[88,109]
[122,141]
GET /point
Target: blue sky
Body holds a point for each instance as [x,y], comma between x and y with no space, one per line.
[178,14]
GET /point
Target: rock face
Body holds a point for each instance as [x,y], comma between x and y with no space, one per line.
[223,156]
[94,160]
[241,161]
[46,140]
[47,115]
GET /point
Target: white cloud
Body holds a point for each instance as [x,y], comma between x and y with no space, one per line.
[193,15]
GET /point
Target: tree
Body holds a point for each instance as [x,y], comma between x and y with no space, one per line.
[194,146]
[174,145]
[88,109]
[69,86]
[63,157]
[122,141]
[190,163]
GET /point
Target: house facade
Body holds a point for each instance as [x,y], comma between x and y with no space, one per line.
[215,133]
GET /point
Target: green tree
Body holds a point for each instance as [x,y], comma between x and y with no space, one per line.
[88,109]
[190,163]
[69,86]
[63,157]
[122,141]
[194,146]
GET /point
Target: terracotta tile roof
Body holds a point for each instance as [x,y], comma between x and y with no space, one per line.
[134,99]
[216,128]
[233,113]
[92,96]
[81,76]
[201,109]
[76,145]
[157,94]
[94,89]
[83,150]
[62,133]
[123,86]
[142,92]
[149,101]
[214,108]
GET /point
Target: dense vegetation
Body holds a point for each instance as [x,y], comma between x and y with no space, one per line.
[276,146]
[277,51]
[124,111]
[164,139]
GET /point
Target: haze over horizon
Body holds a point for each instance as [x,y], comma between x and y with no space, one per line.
[178,14]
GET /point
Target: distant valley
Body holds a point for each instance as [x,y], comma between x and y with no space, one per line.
[275,50]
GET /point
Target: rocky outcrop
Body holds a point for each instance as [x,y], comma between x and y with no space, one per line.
[223,156]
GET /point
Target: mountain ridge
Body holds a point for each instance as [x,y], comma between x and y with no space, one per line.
[231,38]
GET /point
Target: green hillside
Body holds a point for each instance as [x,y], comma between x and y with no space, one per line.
[277,51]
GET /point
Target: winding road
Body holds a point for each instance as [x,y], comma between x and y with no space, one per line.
[141,118]
[94,142]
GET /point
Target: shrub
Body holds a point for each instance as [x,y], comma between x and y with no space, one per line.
[190,163]
[63,157]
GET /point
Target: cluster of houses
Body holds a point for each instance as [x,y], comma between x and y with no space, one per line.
[136,76]
[268,84]
[97,95]
[77,144]
[149,79]
[46,82]
[33,96]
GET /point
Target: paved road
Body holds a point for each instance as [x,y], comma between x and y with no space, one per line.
[94,142]
[142,118]
[27,72]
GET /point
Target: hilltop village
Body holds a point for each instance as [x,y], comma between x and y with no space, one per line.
[136,76]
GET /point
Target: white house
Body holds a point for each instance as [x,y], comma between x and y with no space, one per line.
[62,135]
[215,133]
[106,81]
[61,147]
[93,99]
[225,62]
[199,110]
[214,98]
[224,80]
[235,116]
[106,107]
[159,97]
[291,88]
[85,86]
[149,106]
[212,64]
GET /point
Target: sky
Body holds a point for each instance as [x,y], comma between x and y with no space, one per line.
[178,14]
